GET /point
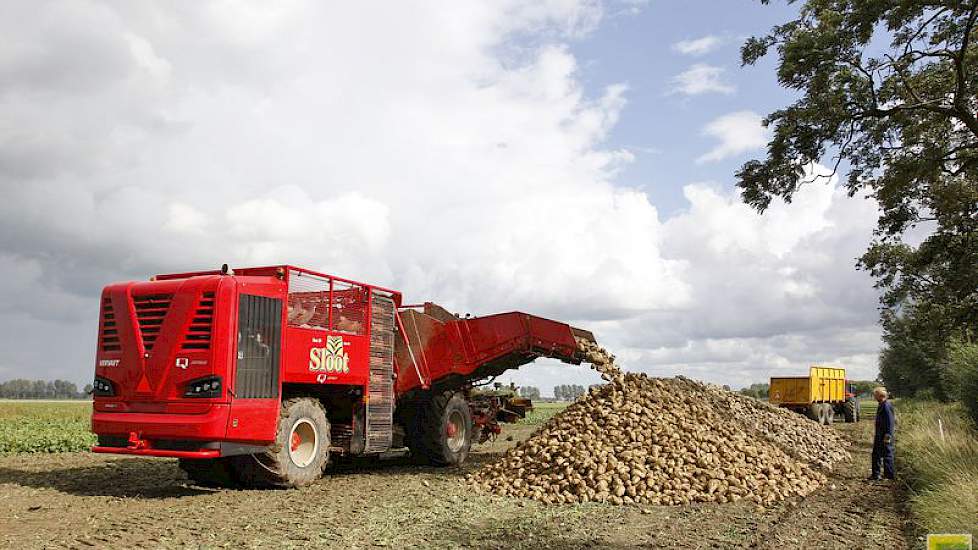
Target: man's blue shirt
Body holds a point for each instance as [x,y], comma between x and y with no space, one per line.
[885,420]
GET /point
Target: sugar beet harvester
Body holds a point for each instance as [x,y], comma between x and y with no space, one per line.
[256,376]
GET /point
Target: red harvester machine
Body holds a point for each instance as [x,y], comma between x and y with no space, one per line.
[255,376]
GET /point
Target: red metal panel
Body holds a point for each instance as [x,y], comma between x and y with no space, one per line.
[466,347]
[160,373]
[252,421]
[312,357]
[209,426]
[202,453]
[256,419]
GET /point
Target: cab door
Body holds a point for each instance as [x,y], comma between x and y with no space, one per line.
[257,361]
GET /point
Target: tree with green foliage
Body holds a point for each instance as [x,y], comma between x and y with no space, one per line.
[912,356]
[757,390]
[863,387]
[568,392]
[962,375]
[20,388]
[530,392]
[888,95]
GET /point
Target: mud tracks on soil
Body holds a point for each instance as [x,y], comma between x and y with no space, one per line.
[849,513]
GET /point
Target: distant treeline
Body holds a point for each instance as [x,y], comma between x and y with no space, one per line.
[562,392]
[21,388]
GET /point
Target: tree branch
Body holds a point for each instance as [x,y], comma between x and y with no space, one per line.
[965,115]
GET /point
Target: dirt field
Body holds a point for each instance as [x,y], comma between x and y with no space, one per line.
[80,500]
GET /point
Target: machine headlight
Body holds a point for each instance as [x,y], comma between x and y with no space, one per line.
[103,387]
[204,387]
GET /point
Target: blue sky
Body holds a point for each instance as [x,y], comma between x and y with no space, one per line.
[663,128]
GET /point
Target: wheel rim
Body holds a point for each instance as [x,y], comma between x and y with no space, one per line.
[455,431]
[303,443]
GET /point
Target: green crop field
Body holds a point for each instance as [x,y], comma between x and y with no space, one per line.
[44,426]
[62,426]
[542,412]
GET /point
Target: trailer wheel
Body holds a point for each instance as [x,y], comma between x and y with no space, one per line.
[815,412]
[829,414]
[300,451]
[209,472]
[851,411]
[443,430]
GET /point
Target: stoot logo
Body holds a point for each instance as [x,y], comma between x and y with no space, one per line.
[331,358]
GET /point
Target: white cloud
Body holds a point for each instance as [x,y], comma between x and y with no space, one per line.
[698,46]
[765,295]
[737,133]
[184,218]
[701,79]
[631,7]
[410,150]
[422,150]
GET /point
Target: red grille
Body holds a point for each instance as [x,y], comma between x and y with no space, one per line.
[150,312]
[109,333]
[198,334]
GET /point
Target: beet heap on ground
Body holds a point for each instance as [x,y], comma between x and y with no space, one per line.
[642,440]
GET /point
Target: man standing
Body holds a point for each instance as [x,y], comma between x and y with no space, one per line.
[883,438]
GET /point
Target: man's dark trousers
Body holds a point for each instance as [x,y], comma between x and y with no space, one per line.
[883,441]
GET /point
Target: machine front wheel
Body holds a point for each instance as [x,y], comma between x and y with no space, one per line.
[300,451]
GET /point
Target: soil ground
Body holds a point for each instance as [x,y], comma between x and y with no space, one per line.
[81,500]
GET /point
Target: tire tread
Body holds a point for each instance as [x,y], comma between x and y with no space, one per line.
[268,469]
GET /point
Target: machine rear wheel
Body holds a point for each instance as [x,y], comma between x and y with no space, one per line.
[300,451]
[442,435]
[212,472]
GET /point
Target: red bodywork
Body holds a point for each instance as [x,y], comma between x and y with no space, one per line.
[447,349]
[156,337]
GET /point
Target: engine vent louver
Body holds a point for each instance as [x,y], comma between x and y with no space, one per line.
[150,311]
[198,335]
[109,332]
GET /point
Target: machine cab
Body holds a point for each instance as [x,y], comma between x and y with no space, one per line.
[192,362]
[188,357]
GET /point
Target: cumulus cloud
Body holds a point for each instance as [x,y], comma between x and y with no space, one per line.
[770,294]
[422,151]
[697,46]
[701,79]
[401,150]
[737,133]
[631,7]
[766,295]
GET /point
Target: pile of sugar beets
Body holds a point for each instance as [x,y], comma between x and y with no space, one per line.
[642,440]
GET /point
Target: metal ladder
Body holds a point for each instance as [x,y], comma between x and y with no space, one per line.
[380,396]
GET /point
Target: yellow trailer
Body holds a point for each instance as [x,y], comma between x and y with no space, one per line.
[820,395]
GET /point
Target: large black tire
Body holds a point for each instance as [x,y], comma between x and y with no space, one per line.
[815,412]
[851,411]
[213,472]
[300,451]
[441,431]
